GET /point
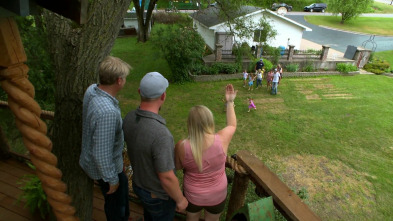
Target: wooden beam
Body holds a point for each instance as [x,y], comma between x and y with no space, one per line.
[284,198]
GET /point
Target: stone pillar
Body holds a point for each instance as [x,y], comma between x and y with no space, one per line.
[291,49]
[218,52]
[325,51]
[361,57]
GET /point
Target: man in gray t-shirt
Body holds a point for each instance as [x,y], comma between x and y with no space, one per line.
[150,148]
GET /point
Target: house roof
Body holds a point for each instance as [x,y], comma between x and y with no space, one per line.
[210,16]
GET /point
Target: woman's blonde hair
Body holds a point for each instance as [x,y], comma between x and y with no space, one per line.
[200,122]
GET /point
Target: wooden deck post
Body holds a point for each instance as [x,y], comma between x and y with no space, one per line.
[4,147]
[238,194]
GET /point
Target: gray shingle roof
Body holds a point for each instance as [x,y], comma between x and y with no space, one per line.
[209,17]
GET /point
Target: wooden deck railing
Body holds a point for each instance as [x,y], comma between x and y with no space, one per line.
[248,168]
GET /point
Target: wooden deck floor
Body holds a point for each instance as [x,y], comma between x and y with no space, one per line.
[11,172]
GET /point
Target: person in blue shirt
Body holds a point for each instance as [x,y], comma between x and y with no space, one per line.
[102,137]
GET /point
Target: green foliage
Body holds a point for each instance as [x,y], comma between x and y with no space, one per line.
[265,31]
[223,68]
[172,18]
[292,67]
[241,52]
[181,46]
[273,52]
[377,66]
[308,67]
[348,9]
[41,72]
[199,69]
[345,68]
[34,194]
[268,65]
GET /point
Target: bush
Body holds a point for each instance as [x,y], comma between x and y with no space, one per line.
[181,47]
[308,67]
[292,67]
[199,69]
[377,66]
[268,65]
[273,52]
[225,68]
[345,68]
[172,18]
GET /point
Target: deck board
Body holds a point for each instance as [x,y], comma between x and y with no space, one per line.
[11,174]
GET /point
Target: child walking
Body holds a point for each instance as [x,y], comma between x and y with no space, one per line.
[245,76]
[251,104]
[259,78]
[251,79]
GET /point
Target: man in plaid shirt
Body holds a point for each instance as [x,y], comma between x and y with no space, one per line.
[102,137]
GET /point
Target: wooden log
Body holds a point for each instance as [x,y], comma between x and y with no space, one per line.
[238,194]
[285,200]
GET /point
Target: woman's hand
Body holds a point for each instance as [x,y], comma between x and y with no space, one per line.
[230,93]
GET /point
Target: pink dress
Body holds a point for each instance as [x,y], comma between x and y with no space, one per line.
[209,187]
[252,105]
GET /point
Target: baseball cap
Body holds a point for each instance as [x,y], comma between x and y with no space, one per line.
[153,85]
[261,59]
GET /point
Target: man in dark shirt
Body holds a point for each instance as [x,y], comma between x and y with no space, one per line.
[259,65]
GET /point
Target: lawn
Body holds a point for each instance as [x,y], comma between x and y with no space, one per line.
[384,8]
[328,136]
[369,25]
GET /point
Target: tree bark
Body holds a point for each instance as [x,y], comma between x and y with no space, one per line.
[76,52]
[143,24]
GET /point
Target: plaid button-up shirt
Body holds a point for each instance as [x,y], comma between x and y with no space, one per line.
[102,136]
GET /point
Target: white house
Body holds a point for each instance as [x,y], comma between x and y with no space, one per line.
[214,30]
[131,20]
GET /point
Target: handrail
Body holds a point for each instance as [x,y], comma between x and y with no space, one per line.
[46,115]
[284,199]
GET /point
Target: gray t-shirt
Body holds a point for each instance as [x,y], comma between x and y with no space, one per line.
[150,148]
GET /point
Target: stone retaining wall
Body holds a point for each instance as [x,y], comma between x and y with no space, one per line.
[222,77]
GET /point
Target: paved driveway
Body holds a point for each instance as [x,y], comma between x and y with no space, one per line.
[339,40]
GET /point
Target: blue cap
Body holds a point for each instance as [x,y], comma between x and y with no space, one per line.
[153,85]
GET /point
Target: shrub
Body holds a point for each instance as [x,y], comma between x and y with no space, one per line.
[308,67]
[225,68]
[292,67]
[181,47]
[273,52]
[199,69]
[377,66]
[268,65]
[171,18]
[345,68]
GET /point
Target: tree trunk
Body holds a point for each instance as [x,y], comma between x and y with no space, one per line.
[144,24]
[76,52]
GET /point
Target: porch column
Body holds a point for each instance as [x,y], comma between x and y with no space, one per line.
[219,52]
[291,49]
[325,51]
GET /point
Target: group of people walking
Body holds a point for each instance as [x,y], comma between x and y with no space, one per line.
[273,77]
[150,146]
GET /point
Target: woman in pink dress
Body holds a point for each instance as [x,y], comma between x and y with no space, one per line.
[202,158]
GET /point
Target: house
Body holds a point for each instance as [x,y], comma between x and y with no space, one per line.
[215,30]
[131,21]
